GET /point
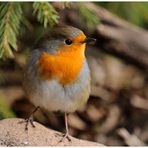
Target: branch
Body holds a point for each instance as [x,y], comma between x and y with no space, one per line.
[120,37]
[46,14]
[130,139]
[10,17]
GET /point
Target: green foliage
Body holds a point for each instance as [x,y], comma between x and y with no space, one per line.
[10,18]
[90,19]
[13,19]
[5,111]
[134,12]
[46,14]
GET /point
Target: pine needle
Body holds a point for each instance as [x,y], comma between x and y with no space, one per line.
[10,17]
[46,14]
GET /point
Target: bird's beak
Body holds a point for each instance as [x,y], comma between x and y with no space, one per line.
[89,40]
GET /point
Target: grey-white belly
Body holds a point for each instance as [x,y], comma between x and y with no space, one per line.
[52,96]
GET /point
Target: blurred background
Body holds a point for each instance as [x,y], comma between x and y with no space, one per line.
[117,111]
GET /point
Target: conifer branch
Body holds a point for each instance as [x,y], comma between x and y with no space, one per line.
[10,18]
[46,14]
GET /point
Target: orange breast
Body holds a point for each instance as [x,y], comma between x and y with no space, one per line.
[65,65]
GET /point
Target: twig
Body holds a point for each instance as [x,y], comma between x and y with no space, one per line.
[130,139]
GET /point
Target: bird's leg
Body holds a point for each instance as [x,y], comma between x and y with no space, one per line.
[66,135]
[30,118]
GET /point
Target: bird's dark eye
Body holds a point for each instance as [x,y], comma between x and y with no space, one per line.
[68,41]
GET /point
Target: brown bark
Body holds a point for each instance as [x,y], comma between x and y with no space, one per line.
[120,37]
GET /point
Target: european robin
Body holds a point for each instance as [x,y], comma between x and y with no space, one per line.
[57,77]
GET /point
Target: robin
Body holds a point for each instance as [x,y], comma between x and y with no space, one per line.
[57,77]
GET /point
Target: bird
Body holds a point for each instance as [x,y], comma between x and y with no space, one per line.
[57,76]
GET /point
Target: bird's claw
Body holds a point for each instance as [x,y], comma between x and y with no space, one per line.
[30,119]
[65,136]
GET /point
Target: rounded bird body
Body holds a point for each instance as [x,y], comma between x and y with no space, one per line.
[57,77]
[51,94]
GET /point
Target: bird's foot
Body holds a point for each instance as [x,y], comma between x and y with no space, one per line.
[30,119]
[65,136]
[27,121]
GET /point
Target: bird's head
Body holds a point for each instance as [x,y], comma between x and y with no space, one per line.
[66,38]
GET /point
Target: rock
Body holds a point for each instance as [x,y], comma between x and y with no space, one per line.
[13,133]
